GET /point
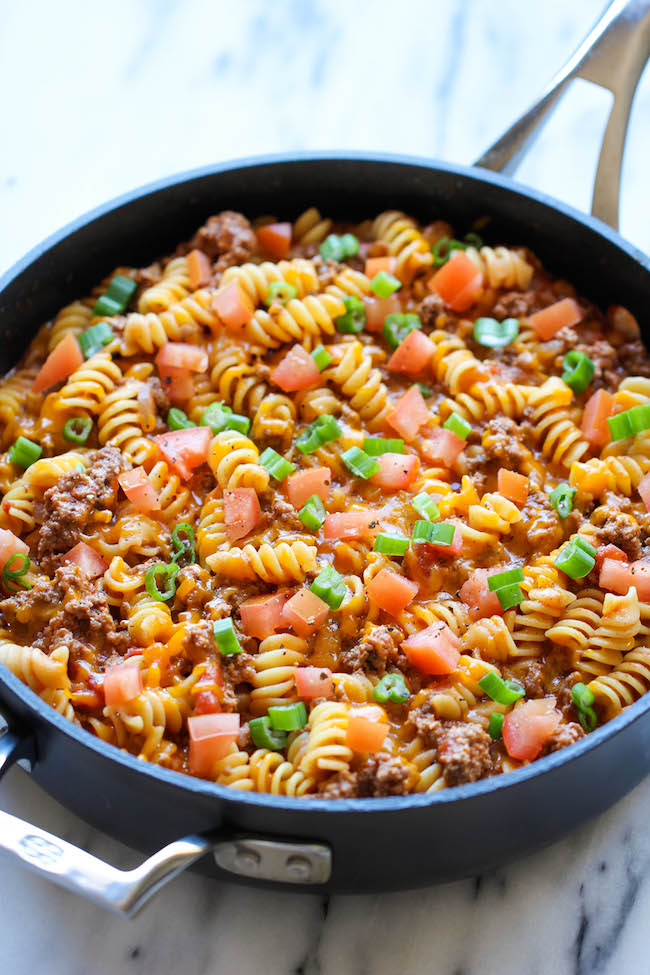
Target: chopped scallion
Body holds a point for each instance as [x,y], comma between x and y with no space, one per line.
[288,717]
[397,327]
[282,292]
[500,690]
[583,700]
[578,371]
[330,587]
[443,249]
[384,284]
[24,452]
[224,634]
[426,506]
[360,463]
[390,544]
[95,338]
[16,575]
[458,425]
[265,736]
[184,549]
[508,578]
[493,334]
[561,498]
[376,446]
[167,574]
[509,596]
[495,726]
[177,420]
[354,319]
[392,687]
[574,561]
[323,430]
[321,357]
[77,429]
[312,514]
[277,465]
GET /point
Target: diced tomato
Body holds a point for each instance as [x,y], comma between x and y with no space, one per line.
[198,269]
[232,306]
[459,282]
[615,575]
[262,615]
[178,385]
[314,682]
[644,490]
[598,408]
[512,486]
[207,702]
[182,355]
[10,545]
[396,471]
[443,447]
[65,359]
[367,729]
[378,308]
[434,650]
[305,612]
[88,560]
[609,552]
[242,512]
[391,592]
[409,413]
[376,264]
[413,354]
[185,449]
[275,238]
[301,486]
[640,579]
[139,489]
[550,320]
[528,727]
[348,524]
[122,683]
[477,597]
[211,736]
[296,371]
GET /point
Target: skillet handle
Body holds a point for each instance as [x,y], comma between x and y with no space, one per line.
[126,891]
[613,55]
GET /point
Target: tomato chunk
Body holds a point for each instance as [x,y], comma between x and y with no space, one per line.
[413,354]
[443,447]
[550,320]
[644,490]
[178,385]
[409,414]
[242,512]
[10,545]
[185,449]
[296,371]
[211,736]
[434,650]
[305,612]
[348,524]
[376,264]
[512,486]
[65,359]
[122,684]
[88,560]
[527,728]
[199,269]
[476,595]
[314,682]
[275,238]
[378,308]
[262,615]
[598,408]
[609,552]
[396,471]
[391,592]
[367,729]
[618,576]
[301,486]
[139,489]
[459,282]
[232,306]
[182,355]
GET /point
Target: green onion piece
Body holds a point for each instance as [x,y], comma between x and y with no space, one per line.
[312,514]
[168,575]
[106,307]
[574,561]
[321,357]
[288,717]
[639,418]
[493,334]
[224,634]
[457,425]
[358,461]
[121,290]
[422,532]
[329,586]
[425,390]
[561,498]
[77,429]
[473,240]
[177,420]
[323,430]
[282,292]
[331,249]
[619,426]
[184,548]
[354,319]
[397,327]
[585,546]
[392,688]
[95,338]
[509,596]
[277,465]
[350,245]
[376,446]
[578,371]
[238,422]
[264,735]
[15,575]
[495,726]
[24,452]
[508,578]
[583,700]
[384,284]
[439,534]
[443,249]
[426,506]
[216,416]
[391,544]
[500,690]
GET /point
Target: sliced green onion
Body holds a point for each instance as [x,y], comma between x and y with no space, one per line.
[224,634]
[500,690]
[335,248]
[216,416]
[122,289]
[184,548]
[583,700]
[282,292]
[321,357]
[168,575]
[397,327]
[578,371]
[574,561]
[585,546]
[77,429]
[390,544]
[509,596]
[288,717]
[350,245]
[495,726]
[384,284]
[106,307]
[438,534]
[265,736]
[359,463]
[16,575]
[24,452]
[619,426]
[329,586]
[312,514]
[392,688]
[277,465]
[238,422]
[354,319]
[425,390]
[473,240]
[493,334]
[457,425]
[376,446]
[323,430]
[639,418]
[426,506]
[561,498]
[443,249]
[95,338]
[177,420]
[508,578]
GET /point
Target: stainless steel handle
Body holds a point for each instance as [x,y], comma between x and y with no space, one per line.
[613,55]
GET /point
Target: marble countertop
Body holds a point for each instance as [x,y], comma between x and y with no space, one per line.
[102,101]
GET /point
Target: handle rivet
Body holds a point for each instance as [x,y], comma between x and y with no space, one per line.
[247,861]
[299,868]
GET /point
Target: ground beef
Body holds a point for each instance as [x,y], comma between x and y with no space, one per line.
[382,775]
[159,395]
[566,734]
[430,308]
[530,674]
[71,505]
[605,358]
[284,514]
[540,526]
[148,276]
[463,752]
[377,646]
[237,669]
[622,530]
[502,441]
[633,359]
[423,722]
[516,304]
[244,738]
[226,238]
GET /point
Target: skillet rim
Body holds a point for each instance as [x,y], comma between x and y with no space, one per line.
[202,787]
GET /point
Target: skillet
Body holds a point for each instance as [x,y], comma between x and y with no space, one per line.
[316,844]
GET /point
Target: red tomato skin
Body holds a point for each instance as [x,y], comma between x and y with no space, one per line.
[296,371]
[528,726]
[275,238]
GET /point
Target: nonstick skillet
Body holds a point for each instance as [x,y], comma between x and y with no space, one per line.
[315,844]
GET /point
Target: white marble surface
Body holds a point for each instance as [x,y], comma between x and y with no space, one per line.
[99,99]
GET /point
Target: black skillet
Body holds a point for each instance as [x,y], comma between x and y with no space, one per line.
[343,845]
